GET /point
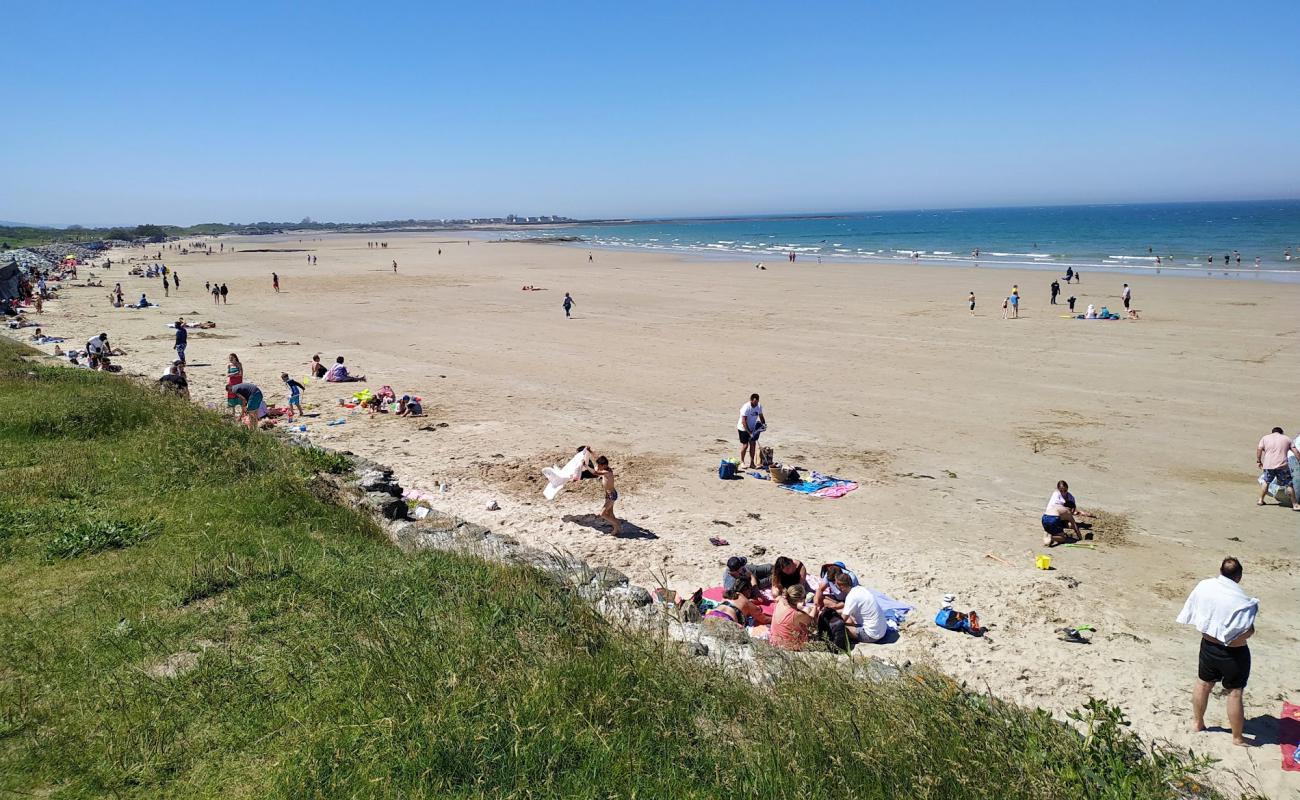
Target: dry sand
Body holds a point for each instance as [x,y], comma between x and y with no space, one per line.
[956,427]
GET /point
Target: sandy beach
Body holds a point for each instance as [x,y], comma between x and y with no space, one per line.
[956,427]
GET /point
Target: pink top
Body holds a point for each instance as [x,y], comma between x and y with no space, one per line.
[1275,447]
[786,631]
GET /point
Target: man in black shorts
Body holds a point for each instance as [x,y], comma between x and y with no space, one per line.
[1225,616]
[750,425]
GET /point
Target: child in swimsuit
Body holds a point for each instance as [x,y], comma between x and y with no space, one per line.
[606,476]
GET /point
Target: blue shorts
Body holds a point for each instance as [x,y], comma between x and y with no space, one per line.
[1053,524]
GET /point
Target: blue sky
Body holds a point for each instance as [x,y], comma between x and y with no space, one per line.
[192,112]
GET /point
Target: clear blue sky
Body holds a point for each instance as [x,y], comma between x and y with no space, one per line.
[192,112]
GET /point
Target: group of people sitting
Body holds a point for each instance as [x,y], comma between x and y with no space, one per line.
[386,400]
[335,374]
[830,606]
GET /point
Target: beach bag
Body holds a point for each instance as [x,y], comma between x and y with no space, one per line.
[726,470]
[783,474]
[951,619]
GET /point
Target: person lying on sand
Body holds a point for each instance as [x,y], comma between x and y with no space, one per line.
[339,373]
[1062,510]
[606,475]
[738,607]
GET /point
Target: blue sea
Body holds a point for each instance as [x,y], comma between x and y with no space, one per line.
[1173,238]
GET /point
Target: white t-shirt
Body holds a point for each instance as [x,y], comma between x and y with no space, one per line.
[749,415]
[95,346]
[1057,501]
[1127,292]
[862,611]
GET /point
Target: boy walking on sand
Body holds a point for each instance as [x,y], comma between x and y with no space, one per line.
[606,475]
[568,304]
[295,393]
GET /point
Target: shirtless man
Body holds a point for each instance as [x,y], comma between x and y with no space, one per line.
[606,476]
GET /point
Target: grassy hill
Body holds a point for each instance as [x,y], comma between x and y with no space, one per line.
[181,616]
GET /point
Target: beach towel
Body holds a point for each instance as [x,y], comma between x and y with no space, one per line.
[1288,735]
[1219,608]
[559,477]
[714,593]
[819,485]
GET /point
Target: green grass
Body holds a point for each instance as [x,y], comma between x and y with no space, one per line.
[181,616]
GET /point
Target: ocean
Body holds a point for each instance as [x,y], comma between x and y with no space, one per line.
[1169,237]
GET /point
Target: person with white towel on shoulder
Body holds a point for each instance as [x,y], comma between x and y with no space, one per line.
[1225,616]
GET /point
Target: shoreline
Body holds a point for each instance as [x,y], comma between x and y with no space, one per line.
[949,423]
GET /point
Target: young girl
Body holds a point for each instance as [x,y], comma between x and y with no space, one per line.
[234,377]
[606,476]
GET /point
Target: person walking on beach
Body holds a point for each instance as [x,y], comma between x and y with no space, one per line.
[275,282]
[394,266]
[1015,301]
[1225,617]
[182,338]
[176,280]
[568,305]
[606,475]
[224,292]
[972,303]
[167,287]
[1069,274]
[1270,456]
[750,425]
[1056,290]
[1127,295]
[216,295]
[1006,303]
[295,393]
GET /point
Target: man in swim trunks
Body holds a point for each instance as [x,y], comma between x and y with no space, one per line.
[606,476]
[251,403]
[1270,456]
[748,427]
[972,304]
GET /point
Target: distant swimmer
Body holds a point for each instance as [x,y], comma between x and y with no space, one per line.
[1256,262]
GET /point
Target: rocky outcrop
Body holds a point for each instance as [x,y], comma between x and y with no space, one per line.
[373,488]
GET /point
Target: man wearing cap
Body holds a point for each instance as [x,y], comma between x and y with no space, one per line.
[738,567]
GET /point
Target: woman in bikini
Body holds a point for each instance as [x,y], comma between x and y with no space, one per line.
[606,476]
[737,607]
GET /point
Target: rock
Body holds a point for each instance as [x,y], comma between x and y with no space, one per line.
[693,649]
[492,505]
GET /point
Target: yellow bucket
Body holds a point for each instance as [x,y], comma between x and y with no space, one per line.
[1043,562]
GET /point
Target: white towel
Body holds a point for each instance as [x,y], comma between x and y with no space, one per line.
[559,477]
[1220,609]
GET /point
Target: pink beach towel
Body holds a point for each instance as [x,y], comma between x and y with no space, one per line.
[1288,734]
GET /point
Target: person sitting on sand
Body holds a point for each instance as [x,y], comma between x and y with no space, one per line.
[739,569]
[175,381]
[787,572]
[409,406]
[318,369]
[252,406]
[339,373]
[738,607]
[791,624]
[1091,313]
[864,621]
[828,594]
[36,337]
[606,475]
[1062,510]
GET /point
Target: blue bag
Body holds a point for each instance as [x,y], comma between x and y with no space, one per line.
[726,470]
